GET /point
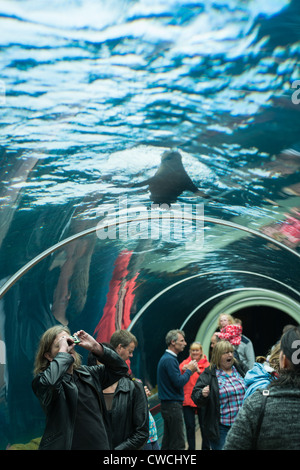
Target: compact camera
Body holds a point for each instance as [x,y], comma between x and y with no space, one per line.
[75,339]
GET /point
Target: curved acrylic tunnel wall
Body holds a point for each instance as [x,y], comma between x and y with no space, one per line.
[149,286]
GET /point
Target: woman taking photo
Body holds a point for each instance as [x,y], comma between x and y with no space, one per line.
[220,389]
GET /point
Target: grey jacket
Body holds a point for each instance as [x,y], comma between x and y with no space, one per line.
[246,352]
[280,427]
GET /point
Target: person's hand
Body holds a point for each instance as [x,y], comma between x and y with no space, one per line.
[147,391]
[192,366]
[87,341]
[65,344]
[205,391]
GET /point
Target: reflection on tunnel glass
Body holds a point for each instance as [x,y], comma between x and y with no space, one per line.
[287,231]
[91,98]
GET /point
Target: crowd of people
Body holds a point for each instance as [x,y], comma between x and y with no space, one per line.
[239,401]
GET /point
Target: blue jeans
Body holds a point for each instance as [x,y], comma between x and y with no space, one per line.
[219,444]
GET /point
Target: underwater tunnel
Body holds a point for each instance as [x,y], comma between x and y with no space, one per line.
[97,98]
[152,286]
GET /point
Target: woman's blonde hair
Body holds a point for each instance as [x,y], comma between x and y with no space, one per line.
[198,345]
[272,358]
[220,348]
[46,341]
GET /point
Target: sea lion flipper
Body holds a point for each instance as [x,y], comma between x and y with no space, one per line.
[190,186]
[141,183]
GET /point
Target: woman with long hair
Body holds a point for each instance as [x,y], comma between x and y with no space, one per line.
[46,342]
[71,394]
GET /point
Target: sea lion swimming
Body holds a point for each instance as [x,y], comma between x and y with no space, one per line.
[170,180]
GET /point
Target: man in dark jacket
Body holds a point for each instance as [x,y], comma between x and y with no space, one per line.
[126,399]
[71,394]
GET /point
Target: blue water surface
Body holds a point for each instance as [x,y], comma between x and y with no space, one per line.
[82,80]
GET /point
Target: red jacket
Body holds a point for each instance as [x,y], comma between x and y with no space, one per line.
[188,388]
[231,333]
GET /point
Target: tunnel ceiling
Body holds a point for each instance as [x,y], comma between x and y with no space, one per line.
[101,224]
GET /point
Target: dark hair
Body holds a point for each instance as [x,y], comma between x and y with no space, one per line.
[122,337]
[290,347]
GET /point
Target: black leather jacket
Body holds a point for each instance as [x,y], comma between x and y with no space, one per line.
[57,394]
[129,415]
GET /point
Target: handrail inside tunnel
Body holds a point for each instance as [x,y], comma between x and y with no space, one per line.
[208,307]
[118,222]
[103,225]
[14,278]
